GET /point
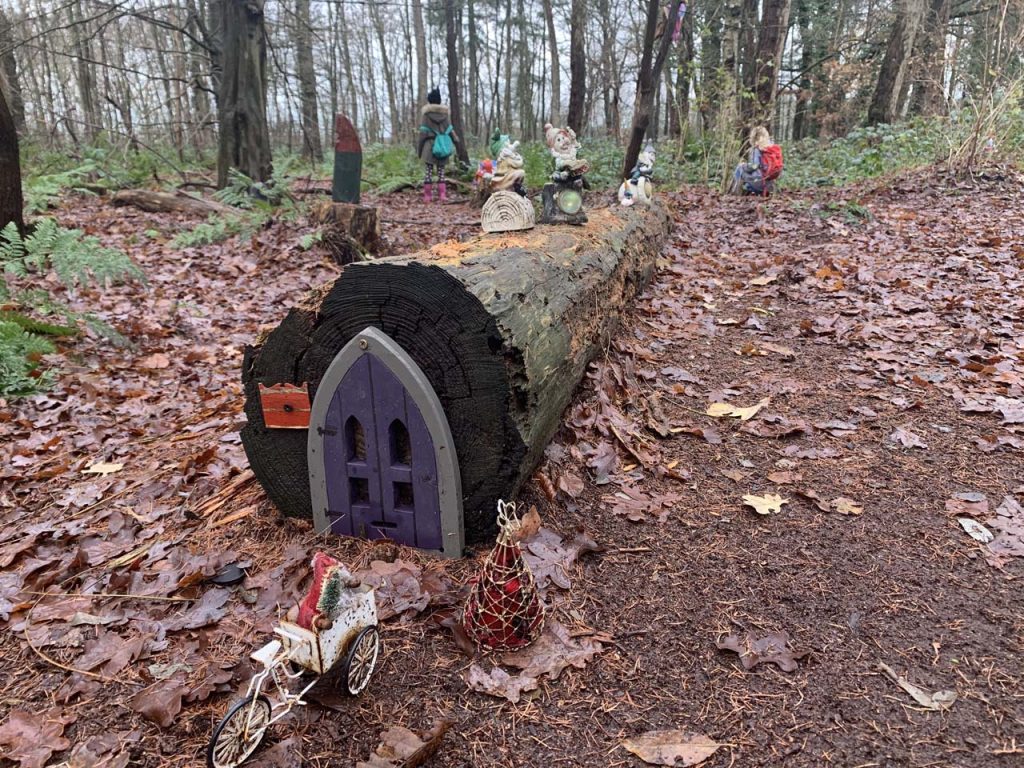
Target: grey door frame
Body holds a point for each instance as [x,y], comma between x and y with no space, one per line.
[449,481]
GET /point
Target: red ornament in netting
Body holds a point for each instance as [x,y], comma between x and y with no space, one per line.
[504,611]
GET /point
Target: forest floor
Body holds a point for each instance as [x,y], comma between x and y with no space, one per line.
[880,330]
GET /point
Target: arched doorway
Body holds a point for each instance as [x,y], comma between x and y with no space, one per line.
[382,462]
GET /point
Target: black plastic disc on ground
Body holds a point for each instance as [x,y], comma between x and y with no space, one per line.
[228,576]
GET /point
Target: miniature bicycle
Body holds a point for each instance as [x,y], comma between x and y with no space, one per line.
[351,638]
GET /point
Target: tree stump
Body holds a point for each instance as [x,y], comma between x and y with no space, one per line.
[350,232]
[507,211]
[503,330]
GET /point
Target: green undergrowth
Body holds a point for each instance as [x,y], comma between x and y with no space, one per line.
[31,317]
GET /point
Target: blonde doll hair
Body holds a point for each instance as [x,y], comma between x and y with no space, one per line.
[759,137]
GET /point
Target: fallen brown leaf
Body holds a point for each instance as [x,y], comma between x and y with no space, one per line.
[499,683]
[671,747]
[772,648]
[401,748]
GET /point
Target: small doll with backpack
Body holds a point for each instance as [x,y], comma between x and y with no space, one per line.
[435,146]
[758,176]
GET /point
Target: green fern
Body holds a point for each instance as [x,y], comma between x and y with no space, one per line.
[78,259]
[20,355]
[37,326]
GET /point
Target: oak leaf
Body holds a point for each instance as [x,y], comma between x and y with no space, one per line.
[765,505]
[671,747]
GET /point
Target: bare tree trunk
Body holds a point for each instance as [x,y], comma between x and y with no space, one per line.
[885,104]
[474,66]
[577,65]
[929,96]
[454,96]
[312,149]
[647,80]
[244,134]
[9,81]
[555,111]
[680,118]
[420,35]
[11,203]
[86,81]
[801,118]
[389,78]
[764,80]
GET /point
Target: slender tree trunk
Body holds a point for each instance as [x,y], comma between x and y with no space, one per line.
[577,65]
[454,96]
[648,78]
[86,80]
[312,149]
[680,118]
[474,67]
[929,96]
[555,111]
[885,103]
[389,77]
[9,74]
[807,54]
[11,203]
[244,134]
[711,66]
[763,82]
[420,36]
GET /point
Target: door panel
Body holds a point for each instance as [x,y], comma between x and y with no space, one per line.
[389,489]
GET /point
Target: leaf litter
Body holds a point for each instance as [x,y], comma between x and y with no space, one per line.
[900,359]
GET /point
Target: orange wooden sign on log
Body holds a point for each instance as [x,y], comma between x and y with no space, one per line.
[285,406]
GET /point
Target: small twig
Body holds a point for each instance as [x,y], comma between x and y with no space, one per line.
[110,594]
[65,667]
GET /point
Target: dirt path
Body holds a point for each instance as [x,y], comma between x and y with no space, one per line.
[883,326]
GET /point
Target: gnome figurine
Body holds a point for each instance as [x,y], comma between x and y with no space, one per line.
[563,198]
[638,188]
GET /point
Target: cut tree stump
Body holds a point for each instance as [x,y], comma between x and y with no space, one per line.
[349,232]
[167,202]
[502,328]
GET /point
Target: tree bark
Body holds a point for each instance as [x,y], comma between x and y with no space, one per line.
[503,336]
[9,80]
[11,202]
[763,82]
[885,103]
[86,79]
[801,117]
[929,96]
[647,80]
[312,146]
[420,37]
[577,65]
[555,110]
[244,134]
[454,95]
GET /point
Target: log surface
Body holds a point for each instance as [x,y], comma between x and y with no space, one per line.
[166,202]
[503,326]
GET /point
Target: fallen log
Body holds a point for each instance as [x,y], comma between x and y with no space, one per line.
[502,326]
[167,202]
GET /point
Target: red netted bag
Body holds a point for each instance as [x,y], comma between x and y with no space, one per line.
[504,611]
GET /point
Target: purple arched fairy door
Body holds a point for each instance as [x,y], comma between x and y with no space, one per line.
[379,459]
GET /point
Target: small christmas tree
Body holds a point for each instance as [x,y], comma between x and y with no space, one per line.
[504,611]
